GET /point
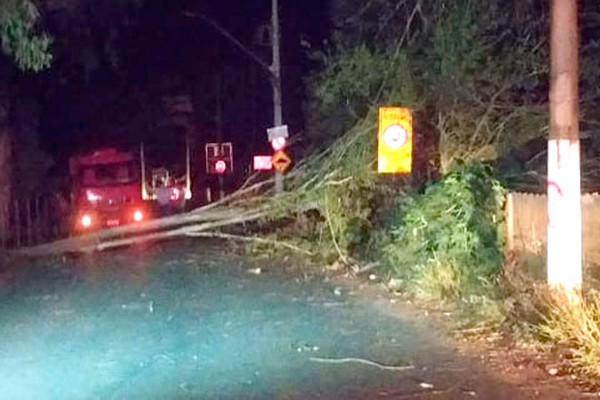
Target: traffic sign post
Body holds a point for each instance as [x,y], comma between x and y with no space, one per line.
[281,161]
[219,158]
[219,161]
[395,141]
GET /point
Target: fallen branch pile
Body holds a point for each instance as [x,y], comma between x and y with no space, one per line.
[253,202]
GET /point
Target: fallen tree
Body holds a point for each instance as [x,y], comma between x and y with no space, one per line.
[308,186]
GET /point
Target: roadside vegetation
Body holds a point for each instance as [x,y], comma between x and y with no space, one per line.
[577,328]
[20,39]
[475,75]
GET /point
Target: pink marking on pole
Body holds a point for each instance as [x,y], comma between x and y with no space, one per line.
[553,184]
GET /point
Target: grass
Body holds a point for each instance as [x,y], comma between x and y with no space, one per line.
[576,326]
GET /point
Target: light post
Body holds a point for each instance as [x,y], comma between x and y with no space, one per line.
[276,80]
[274,69]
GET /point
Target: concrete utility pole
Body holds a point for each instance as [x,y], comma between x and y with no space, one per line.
[276,78]
[564,170]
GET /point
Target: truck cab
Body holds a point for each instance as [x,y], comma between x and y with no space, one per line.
[106,190]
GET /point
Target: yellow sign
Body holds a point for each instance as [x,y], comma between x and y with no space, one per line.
[281,161]
[395,139]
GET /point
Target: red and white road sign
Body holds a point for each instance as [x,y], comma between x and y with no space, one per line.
[219,158]
[278,143]
[220,167]
[262,163]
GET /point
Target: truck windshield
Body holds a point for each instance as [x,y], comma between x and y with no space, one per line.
[110,174]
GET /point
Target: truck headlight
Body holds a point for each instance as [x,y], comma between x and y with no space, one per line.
[86,221]
[138,215]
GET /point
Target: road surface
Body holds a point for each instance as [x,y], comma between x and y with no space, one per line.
[190,321]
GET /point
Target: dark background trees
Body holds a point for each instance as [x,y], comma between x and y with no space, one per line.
[475,72]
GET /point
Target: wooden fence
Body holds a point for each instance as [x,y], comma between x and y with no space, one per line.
[27,222]
[527,219]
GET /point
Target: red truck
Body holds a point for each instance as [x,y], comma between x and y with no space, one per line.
[106,190]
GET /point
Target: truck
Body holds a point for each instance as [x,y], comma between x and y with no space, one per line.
[165,155]
[112,187]
[166,173]
[106,190]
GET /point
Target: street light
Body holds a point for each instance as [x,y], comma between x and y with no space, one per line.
[274,69]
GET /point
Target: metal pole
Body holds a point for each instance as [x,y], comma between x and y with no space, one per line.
[145,195]
[564,262]
[219,118]
[276,81]
[188,167]
[274,69]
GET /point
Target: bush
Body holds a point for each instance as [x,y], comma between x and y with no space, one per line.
[447,242]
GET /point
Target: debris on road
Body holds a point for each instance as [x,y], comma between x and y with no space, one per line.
[305,347]
[362,361]
[254,271]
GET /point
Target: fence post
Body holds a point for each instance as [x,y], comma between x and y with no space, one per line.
[29,222]
[38,220]
[47,230]
[17,224]
[510,222]
[4,226]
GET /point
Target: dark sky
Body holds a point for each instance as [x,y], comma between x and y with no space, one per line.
[93,96]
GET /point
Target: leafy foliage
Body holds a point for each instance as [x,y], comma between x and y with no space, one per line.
[448,241]
[31,51]
[330,199]
[472,70]
[488,73]
[342,186]
[351,84]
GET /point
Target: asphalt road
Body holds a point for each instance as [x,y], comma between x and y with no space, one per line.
[189,321]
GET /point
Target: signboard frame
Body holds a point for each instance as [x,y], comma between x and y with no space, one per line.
[395,140]
[218,151]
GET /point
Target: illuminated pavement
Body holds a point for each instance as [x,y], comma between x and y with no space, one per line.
[189,323]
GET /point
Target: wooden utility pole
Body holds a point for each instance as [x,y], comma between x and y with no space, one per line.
[276,79]
[564,264]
